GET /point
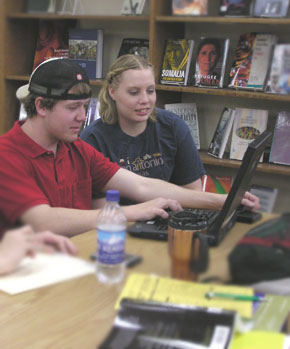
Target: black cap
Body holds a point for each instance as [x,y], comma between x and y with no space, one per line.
[53,78]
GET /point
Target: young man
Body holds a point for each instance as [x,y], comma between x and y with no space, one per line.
[48,176]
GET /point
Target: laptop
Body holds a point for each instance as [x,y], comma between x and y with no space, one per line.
[219,223]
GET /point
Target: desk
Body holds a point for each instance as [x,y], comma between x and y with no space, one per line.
[79,313]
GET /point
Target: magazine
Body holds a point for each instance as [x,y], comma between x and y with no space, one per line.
[189,7]
[210,62]
[176,61]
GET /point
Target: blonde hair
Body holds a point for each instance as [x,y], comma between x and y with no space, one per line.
[108,110]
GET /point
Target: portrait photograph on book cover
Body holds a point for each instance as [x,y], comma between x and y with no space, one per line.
[176,61]
[210,62]
[189,7]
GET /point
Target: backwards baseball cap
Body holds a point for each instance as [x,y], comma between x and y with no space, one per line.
[54,78]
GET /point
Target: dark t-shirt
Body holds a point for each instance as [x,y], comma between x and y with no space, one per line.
[165,150]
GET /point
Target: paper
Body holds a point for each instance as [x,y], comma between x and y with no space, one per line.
[161,289]
[43,270]
[260,340]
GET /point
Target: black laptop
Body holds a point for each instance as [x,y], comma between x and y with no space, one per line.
[218,222]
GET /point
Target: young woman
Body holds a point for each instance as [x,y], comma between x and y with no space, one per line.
[138,136]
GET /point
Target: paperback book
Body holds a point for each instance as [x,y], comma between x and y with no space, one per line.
[271,8]
[86,48]
[280,149]
[134,7]
[217,184]
[248,125]
[188,112]
[145,324]
[176,61]
[235,7]
[52,41]
[189,7]
[210,62]
[221,135]
[252,60]
[279,77]
[139,47]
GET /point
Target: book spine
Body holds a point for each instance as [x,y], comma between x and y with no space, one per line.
[226,49]
[191,45]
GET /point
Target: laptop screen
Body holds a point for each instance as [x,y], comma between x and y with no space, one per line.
[227,216]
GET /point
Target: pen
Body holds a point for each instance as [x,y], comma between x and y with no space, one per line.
[236,297]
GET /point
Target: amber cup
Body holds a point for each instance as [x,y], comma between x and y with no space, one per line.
[187,246]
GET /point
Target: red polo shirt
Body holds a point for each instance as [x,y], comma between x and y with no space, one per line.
[30,175]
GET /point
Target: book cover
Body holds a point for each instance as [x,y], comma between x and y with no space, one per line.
[39,6]
[188,112]
[210,62]
[86,48]
[176,61]
[189,7]
[133,7]
[92,112]
[235,7]
[280,148]
[267,197]
[145,324]
[252,59]
[222,132]
[271,8]
[217,184]
[139,47]
[52,41]
[279,77]
[248,125]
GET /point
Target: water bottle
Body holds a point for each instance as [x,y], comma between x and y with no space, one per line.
[111,235]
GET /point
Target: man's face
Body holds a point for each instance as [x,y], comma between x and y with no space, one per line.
[174,55]
[65,119]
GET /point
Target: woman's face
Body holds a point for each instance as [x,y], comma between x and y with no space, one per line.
[207,58]
[135,96]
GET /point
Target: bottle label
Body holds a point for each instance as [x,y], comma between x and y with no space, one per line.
[111,247]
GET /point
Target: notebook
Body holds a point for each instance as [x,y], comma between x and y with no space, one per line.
[219,223]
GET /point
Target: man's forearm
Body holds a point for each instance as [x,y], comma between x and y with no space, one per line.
[64,221]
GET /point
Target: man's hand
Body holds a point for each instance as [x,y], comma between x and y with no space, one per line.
[250,200]
[150,209]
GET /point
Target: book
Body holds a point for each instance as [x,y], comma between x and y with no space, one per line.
[210,62]
[279,77]
[92,112]
[133,7]
[39,6]
[280,148]
[189,7]
[176,61]
[188,113]
[222,132]
[217,184]
[267,197]
[248,125]
[52,41]
[139,47]
[235,7]
[271,8]
[252,59]
[145,324]
[86,48]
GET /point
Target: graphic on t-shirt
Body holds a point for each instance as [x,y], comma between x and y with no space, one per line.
[143,165]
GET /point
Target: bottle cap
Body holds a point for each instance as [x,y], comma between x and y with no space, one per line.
[113,195]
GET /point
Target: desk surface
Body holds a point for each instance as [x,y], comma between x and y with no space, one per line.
[79,313]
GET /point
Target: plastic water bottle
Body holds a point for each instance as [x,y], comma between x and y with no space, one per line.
[111,235]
